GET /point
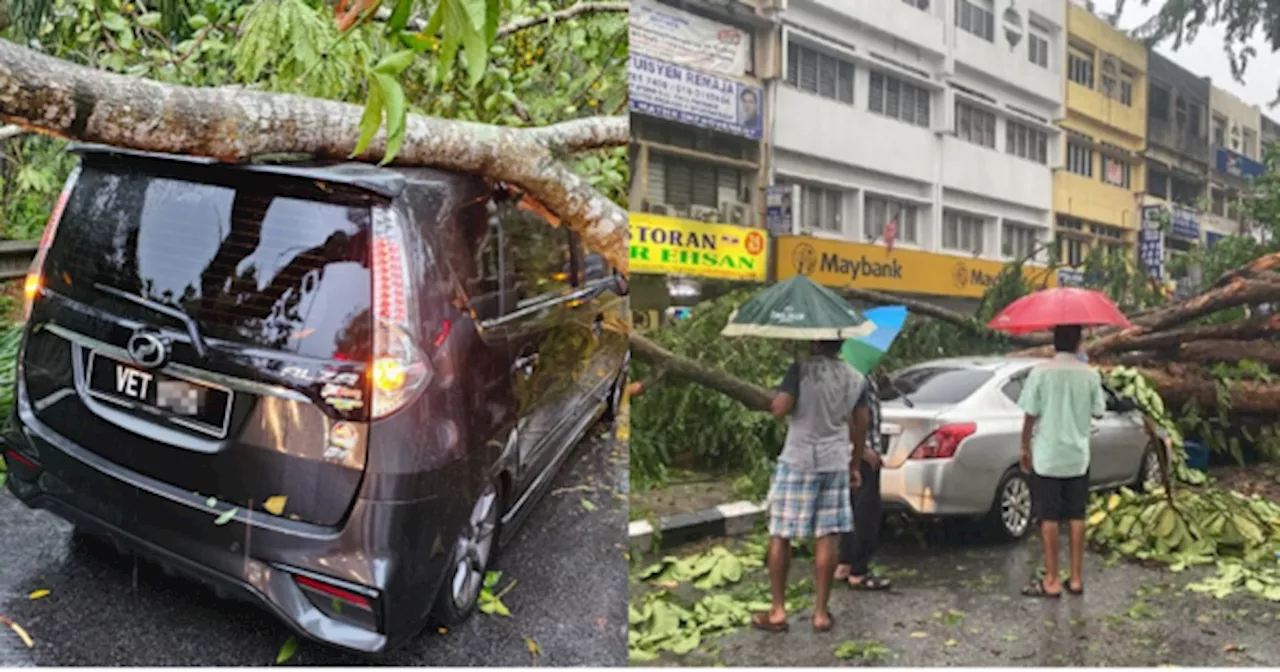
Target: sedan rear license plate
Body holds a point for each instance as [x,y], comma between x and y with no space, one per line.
[200,406]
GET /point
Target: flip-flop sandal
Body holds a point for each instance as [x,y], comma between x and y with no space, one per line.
[760,621]
[1036,589]
[1073,591]
[831,623]
[869,582]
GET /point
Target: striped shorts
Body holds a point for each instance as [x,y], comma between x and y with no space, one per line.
[804,504]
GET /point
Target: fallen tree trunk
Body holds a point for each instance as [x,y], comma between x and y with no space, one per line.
[52,96]
[1180,383]
[672,365]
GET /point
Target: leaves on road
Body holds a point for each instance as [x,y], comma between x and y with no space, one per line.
[275,504]
[588,504]
[37,594]
[868,650]
[22,634]
[489,602]
[287,650]
[712,569]
[534,650]
[918,634]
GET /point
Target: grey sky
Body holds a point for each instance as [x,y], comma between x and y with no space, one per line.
[1205,56]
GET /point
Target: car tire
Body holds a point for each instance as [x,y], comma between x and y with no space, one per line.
[1148,471]
[1010,515]
[469,561]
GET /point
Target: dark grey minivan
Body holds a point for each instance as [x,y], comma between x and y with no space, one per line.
[330,389]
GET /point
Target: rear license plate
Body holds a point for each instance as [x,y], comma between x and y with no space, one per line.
[200,406]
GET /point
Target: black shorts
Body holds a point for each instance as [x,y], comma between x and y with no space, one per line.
[1058,499]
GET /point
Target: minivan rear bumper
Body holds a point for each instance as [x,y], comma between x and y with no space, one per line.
[254,556]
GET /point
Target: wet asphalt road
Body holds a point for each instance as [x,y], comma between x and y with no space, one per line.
[570,597]
[1111,625]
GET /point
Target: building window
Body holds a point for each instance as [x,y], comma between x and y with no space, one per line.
[1080,67]
[975,125]
[880,211]
[1158,101]
[962,233]
[977,17]
[1079,157]
[895,98]
[1249,143]
[682,184]
[1126,89]
[1157,181]
[821,208]
[1117,173]
[1019,241]
[816,72]
[1038,47]
[1219,131]
[918,4]
[1219,203]
[1026,142]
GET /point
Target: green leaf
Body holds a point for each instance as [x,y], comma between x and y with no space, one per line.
[477,55]
[588,504]
[400,16]
[114,22]
[395,64]
[372,118]
[287,650]
[149,20]
[226,516]
[393,100]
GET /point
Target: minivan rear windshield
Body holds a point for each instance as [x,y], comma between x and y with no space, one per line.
[256,259]
[935,384]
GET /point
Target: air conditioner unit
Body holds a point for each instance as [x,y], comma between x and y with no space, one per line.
[703,213]
[679,211]
[735,213]
[646,319]
[659,209]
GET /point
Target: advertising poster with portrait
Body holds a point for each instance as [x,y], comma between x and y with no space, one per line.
[669,91]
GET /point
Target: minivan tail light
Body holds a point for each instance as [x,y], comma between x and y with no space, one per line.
[35,275]
[943,442]
[399,369]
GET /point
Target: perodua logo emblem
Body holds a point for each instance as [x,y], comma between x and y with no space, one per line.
[148,349]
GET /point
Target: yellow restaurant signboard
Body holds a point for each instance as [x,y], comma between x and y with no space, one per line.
[841,264]
[669,246]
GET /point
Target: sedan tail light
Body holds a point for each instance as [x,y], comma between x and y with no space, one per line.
[943,442]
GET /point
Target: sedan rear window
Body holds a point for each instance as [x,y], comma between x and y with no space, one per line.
[936,384]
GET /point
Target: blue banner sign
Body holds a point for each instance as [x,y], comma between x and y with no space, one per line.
[1151,250]
[1185,222]
[1211,238]
[1070,277]
[1231,163]
[669,91]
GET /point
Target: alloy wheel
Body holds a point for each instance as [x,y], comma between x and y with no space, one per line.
[1015,506]
[474,547]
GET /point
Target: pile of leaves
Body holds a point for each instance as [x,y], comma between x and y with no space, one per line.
[680,603]
[1200,526]
[1130,384]
[10,340]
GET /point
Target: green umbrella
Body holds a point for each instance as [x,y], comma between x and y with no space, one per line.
[798,310]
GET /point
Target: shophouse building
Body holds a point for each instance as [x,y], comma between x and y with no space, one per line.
[915,140]
[1178,162]
[1235,137]
[1097,189]
[700,73]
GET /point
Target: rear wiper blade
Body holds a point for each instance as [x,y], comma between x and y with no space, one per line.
[901,395]
[193,330]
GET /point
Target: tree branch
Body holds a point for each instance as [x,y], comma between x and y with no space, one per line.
[52,96]
[419,24]
[927,309]
[673,365]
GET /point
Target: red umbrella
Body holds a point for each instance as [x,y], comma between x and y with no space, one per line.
[1058,306]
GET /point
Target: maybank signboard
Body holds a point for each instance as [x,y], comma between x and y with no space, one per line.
[840,264]
[669,246]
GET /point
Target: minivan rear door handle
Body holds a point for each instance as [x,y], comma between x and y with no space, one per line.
[525,364]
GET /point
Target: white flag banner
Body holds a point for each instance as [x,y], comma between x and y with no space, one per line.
[671,35]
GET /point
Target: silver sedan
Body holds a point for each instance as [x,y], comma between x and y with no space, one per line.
[952,429]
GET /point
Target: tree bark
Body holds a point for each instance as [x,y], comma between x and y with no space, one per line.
[1180,383]
[52,96]
[674,366]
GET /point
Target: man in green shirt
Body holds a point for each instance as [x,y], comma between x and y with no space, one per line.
[1060,399]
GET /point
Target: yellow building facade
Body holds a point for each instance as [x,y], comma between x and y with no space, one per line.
[1098,187]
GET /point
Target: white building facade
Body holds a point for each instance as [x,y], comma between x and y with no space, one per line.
[936,114]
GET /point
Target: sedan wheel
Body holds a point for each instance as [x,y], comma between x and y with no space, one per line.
[473,550]
[1011,511]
